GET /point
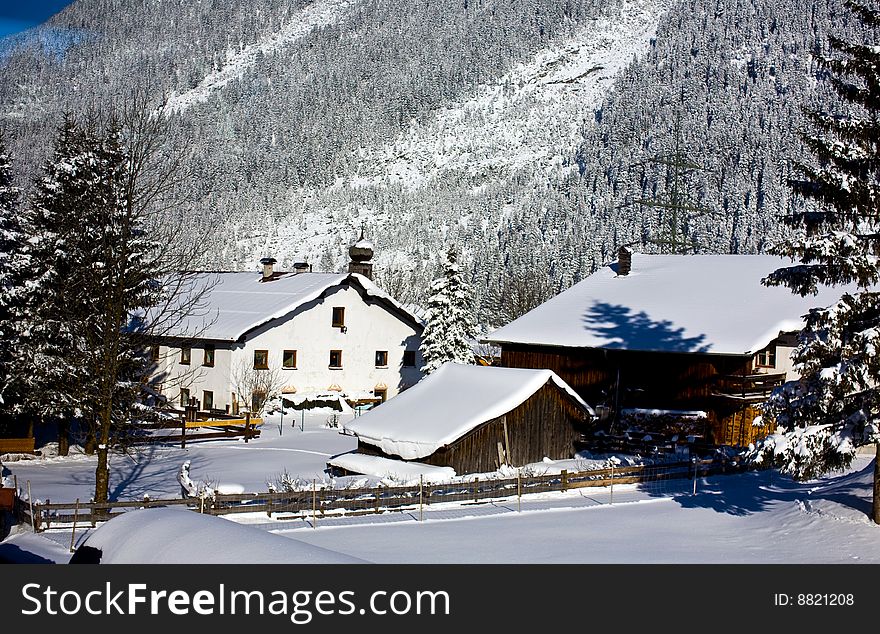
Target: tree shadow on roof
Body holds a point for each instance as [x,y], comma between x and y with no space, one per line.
[626,330]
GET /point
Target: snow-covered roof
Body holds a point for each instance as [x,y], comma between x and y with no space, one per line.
[235,303]
[181,536]
[670,303]
[447,404]
[394,470]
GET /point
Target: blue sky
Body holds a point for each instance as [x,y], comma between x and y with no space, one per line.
[18,15]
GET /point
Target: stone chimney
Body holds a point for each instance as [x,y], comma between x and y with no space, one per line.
[268,268]
[624,261]
[361,254]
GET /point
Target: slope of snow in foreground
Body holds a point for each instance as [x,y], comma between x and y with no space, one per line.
[179,536]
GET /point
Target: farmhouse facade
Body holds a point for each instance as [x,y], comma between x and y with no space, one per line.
[669,332]
[304,332]
[475,418]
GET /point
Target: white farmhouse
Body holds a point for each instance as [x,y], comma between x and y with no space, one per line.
[309,332]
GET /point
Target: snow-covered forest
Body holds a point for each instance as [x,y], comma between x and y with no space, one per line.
[523,132]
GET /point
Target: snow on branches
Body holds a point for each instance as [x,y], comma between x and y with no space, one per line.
[450,328]
[834,406]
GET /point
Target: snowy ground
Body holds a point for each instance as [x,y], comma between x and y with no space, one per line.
[746,518]
[154,470]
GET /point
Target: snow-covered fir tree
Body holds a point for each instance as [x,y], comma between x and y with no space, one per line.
[56,303]
[450,328]
[11,242]
[835,406]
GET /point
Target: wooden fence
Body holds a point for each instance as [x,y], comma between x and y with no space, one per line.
[319,502]
[191,430]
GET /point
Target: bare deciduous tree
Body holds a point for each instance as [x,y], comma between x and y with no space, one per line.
[257,385]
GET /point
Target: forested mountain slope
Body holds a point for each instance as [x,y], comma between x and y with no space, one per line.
[524,132]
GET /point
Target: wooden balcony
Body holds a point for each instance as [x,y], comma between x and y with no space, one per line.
[747,388]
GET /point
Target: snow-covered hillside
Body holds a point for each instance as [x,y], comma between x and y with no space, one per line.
[238,62]
[531,118]
[530,121]
[521,131]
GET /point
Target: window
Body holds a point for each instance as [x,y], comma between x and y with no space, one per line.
[207,400]
[184,397]
[338,317]
[209,356]
[185,354]
[381,358]
[336,358]
[261,359]
[409,358]
[288,361]
[155,353]
[766,358]
[381,394]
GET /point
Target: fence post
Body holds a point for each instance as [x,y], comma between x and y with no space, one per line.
[695,476]
[378,495]
[75,517]
[565,479]
[314,504]
[476,489]
[518,491]
[31,503]
[247,426]
[421,496]
[183,432]
[611,500]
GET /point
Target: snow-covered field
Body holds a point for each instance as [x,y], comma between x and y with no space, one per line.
[747,518]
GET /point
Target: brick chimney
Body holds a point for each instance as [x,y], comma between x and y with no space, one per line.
[624,261]
[268,268]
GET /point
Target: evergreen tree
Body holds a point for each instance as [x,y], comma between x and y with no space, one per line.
[96,263]
[834,407]
[450,330]
[12,240]
[55,301]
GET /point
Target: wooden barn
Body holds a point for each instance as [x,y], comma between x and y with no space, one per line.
[476,418]
[669,332]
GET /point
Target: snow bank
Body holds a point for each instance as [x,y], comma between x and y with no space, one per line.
[180,536]
[388,469]
[448,404]
[28,548]
[670,303]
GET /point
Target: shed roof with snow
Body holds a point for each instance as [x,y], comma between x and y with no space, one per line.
[448,404]
[670,303]
[229,305]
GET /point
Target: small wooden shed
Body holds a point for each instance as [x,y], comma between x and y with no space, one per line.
[475,418]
